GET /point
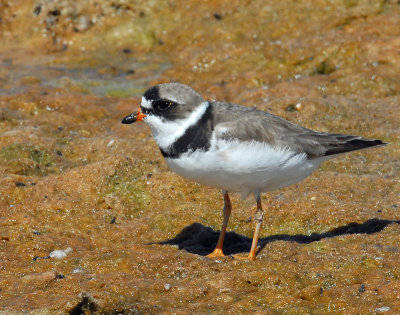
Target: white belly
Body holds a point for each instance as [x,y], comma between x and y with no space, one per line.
[245,168]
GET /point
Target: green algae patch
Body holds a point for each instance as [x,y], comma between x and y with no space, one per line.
[127,192]
[119,93]
[167,222]
[319,247]
[26,159]
[77,86]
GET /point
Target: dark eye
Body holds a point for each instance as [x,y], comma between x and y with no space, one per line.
[162,105]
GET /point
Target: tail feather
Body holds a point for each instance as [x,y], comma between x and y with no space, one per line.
[351,143]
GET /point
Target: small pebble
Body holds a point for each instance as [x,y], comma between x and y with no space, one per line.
[113,219]
[59,253]
[37,9]
[127,51]
[298,106]
[110,143]
[361,288]
[293,107]
[290,108]
[78,270]
[20,184]
[383,309]
[167,287]
[217,16]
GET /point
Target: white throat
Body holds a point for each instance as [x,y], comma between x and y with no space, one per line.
[167,132]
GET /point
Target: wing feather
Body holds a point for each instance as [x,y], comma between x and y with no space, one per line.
[235,122]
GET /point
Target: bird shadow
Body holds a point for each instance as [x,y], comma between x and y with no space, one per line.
[201,240]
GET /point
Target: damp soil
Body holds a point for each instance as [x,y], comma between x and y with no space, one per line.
[93,221]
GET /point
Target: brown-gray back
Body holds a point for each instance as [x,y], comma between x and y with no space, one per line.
[246,124]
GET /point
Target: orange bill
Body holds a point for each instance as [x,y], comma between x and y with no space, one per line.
[139,116]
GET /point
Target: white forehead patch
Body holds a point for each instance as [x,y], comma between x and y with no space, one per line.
[146,103]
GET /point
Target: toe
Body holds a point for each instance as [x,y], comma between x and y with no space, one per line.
[216,253]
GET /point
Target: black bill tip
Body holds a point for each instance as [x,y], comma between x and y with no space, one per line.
[129,119]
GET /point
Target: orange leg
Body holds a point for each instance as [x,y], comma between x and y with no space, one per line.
[217,252]
[258,216]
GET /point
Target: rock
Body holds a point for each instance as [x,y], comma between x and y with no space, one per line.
[41,278]
[382,309]
[60,253]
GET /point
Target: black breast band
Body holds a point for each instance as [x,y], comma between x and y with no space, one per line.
[196,137]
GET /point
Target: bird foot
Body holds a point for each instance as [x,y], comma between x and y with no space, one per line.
[216,253]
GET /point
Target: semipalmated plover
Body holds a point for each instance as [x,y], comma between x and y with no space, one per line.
[235,148]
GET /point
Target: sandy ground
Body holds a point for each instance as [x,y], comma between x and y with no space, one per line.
[92,220]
